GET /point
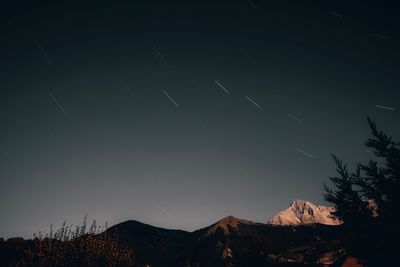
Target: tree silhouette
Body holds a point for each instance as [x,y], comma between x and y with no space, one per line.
[380,180]
[350,207]
[367,200]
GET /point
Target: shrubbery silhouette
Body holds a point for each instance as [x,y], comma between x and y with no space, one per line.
[68,246]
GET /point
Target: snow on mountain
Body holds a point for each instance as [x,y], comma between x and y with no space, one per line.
[304,212]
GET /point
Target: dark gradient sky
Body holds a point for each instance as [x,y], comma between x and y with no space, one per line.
[87,128]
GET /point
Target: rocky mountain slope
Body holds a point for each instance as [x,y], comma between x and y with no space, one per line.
[303,212]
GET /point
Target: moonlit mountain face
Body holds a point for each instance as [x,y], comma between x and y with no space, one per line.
[304,212]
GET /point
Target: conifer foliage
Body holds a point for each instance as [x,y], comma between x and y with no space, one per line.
[367,200]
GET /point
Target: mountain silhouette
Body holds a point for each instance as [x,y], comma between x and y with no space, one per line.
[233,242]
[230,242]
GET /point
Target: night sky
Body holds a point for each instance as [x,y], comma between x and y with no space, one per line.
[178,113]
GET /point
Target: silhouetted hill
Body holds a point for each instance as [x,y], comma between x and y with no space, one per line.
[152,245]
[232,242]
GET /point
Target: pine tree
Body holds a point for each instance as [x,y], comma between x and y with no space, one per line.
[371,233]
[350,208]
[379,180]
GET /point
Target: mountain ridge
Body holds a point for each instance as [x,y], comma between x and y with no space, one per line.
[230,241]
[233,242]
[302,212]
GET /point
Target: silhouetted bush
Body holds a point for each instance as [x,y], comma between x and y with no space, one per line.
[67,246]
